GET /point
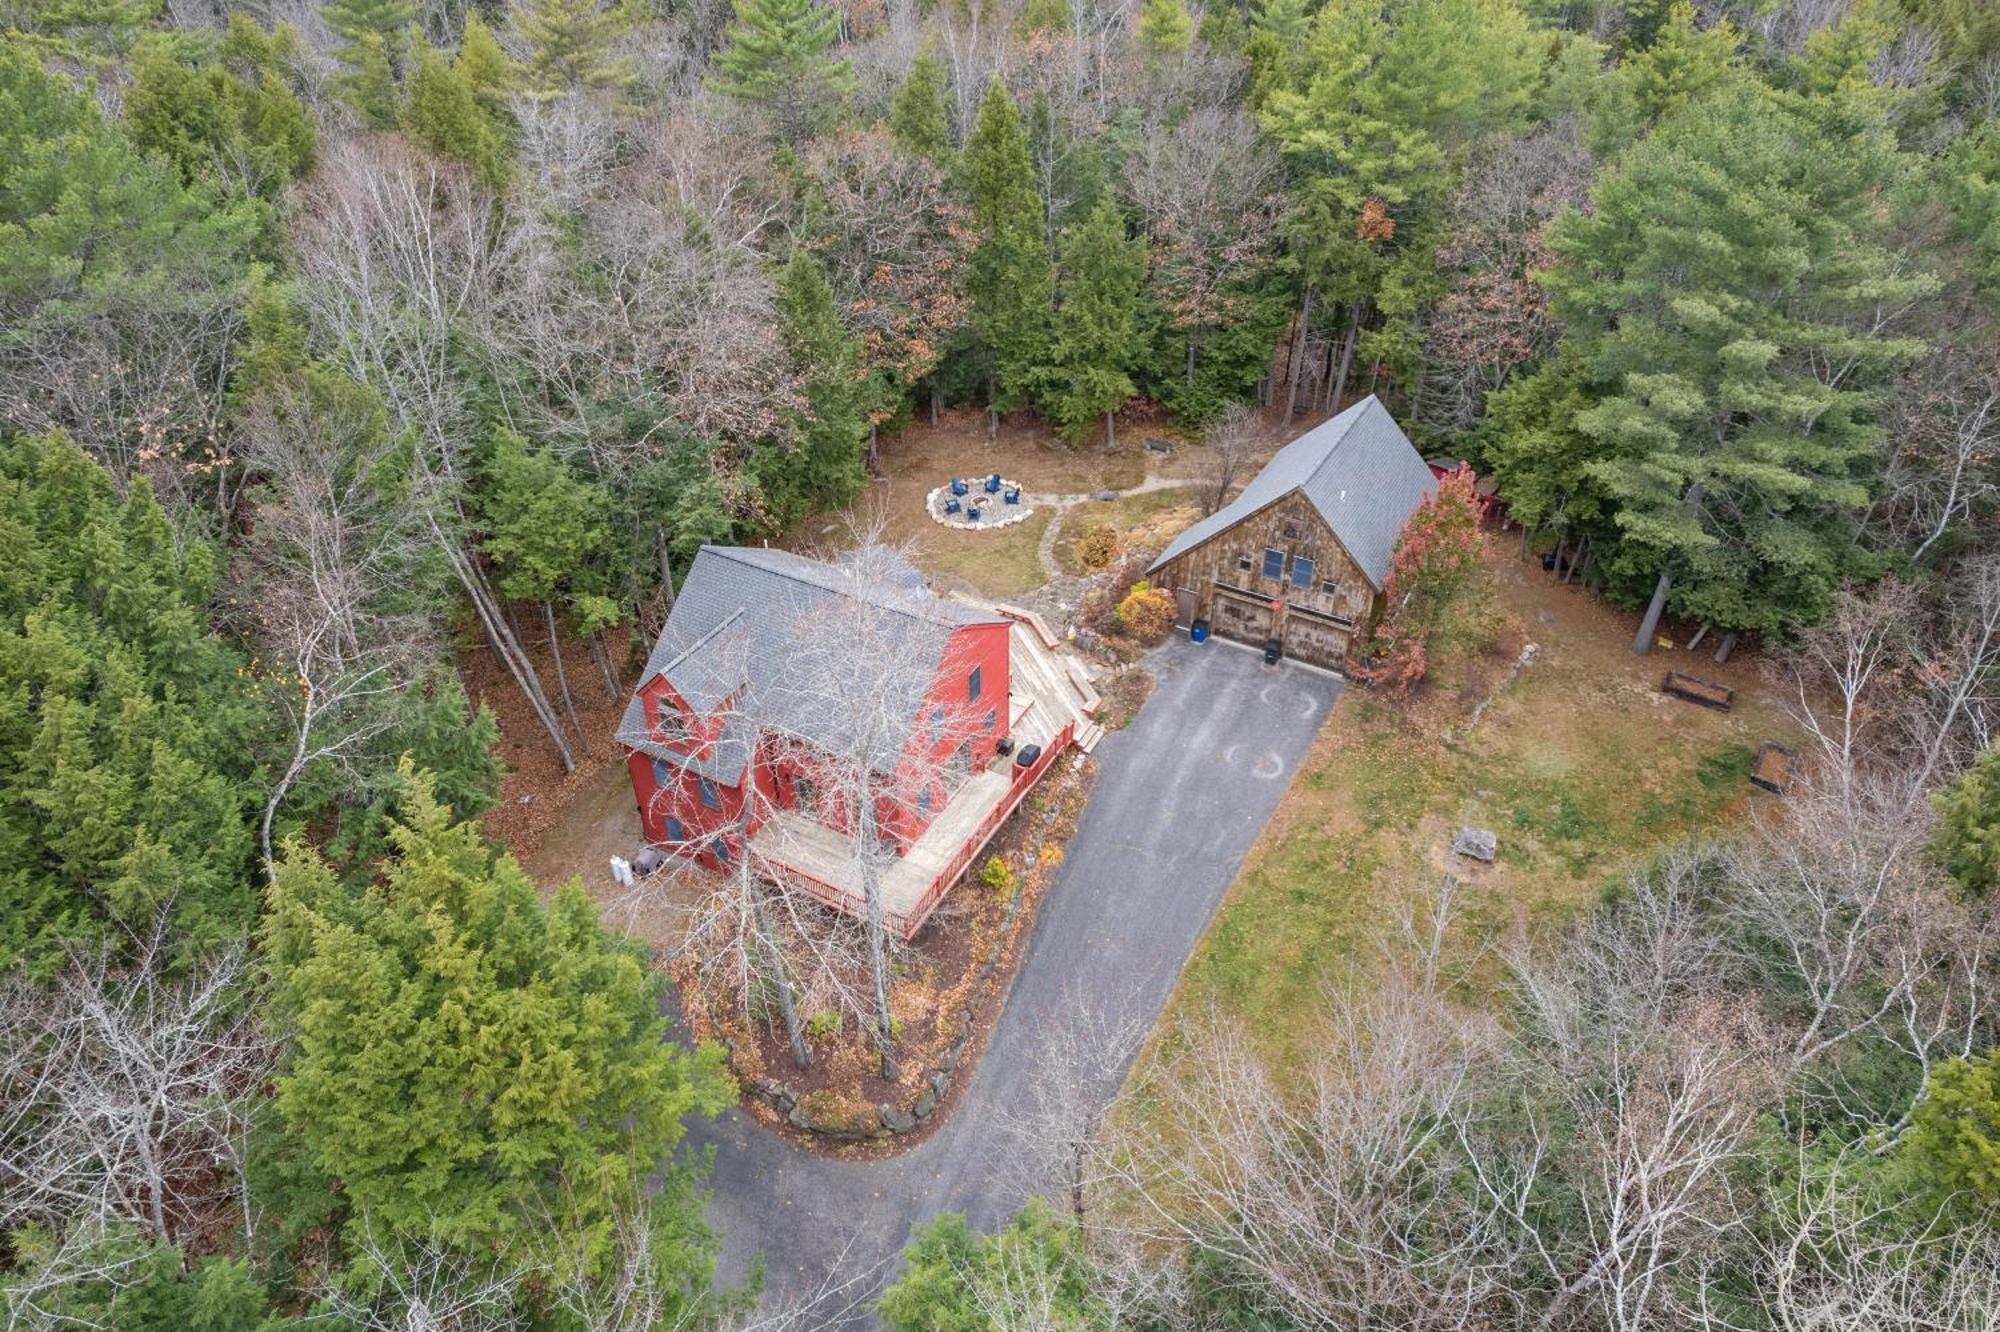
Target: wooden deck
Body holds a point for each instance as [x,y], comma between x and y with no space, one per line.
[1044,707]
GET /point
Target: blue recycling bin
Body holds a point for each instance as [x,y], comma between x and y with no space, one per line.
[1198,631]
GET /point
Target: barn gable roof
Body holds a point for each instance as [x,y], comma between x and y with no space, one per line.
[733,628]
[1361,474]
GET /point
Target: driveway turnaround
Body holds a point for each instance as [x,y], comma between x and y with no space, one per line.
[1181,795]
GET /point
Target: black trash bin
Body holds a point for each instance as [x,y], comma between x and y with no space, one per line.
[1004,746]
[1273,649]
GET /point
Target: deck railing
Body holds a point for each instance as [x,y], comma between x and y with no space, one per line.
[907,923]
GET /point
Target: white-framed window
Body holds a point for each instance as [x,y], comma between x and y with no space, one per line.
[709,795]
[1274,562]
[1302,571]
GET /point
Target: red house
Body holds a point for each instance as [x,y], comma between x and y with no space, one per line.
[726,731]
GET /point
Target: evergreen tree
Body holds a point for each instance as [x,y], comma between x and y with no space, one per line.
[485,67]
[1165,31]
[1953,1143]
[920,120]
[1011,283]
[442,111]
[952,1278]
[1967,841]
[240,125]
[569,45]
[1096,325]
[1725,262]
[375,37]
[126,726]
[779,57]
[467,1062]
[821,466]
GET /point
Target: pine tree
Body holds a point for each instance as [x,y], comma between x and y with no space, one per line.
[569,45]
[822,467]
[1165,31]
[1010,282]
[485,68]
[779,57]
[443,113]
[1967,841]
[375,37]
[1725,260]
[1096,325]
[1953,1143]
[467,1064]
[920,120]
[128,730]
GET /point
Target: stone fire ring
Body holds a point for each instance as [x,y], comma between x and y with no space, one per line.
[998,512]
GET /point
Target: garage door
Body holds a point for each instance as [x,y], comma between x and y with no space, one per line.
[1319,642]
[1241,618]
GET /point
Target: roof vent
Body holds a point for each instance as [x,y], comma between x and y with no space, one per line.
[1343,497]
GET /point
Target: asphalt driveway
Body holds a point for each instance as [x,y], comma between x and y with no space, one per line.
[1181,795]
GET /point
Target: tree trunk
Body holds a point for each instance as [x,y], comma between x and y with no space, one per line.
[1642,643]
[1296,362]
[612,687]
[1356,313]
[934,404]
[666,565]
[992,422]
[874,450]
[1111,430]
[1190,364]
[503,643]
[562,672]
[1699,634]
[795,1031]
[878,956]
[1577,560]
[1725,647]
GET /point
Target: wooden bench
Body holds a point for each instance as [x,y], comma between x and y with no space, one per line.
[1694,690]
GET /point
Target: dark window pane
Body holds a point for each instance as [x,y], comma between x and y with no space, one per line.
[972,684]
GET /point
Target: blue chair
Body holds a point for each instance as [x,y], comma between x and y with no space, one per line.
[957,486]
[952,506]
[973,514]
[993,483]
[1013,496]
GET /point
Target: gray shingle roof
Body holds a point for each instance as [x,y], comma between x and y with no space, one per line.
[1359,470]
[733,628]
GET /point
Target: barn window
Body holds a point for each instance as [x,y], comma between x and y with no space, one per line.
[924,803]
[709,796]
[1243,561]
[937,725]
[972,684]
[1291,531]
[675,832]
[1330,587]
[663,775]
[1302,571]
[1274,563]
[721,850]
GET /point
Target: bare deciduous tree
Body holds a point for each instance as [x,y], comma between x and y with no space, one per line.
[127,1093]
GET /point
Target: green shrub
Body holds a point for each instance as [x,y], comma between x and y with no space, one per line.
[823,1024]
[998,875]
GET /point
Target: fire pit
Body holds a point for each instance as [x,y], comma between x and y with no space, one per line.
[978,503]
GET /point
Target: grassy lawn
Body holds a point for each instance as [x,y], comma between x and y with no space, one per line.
[1151,517]
[1580,766]
[1000,563]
